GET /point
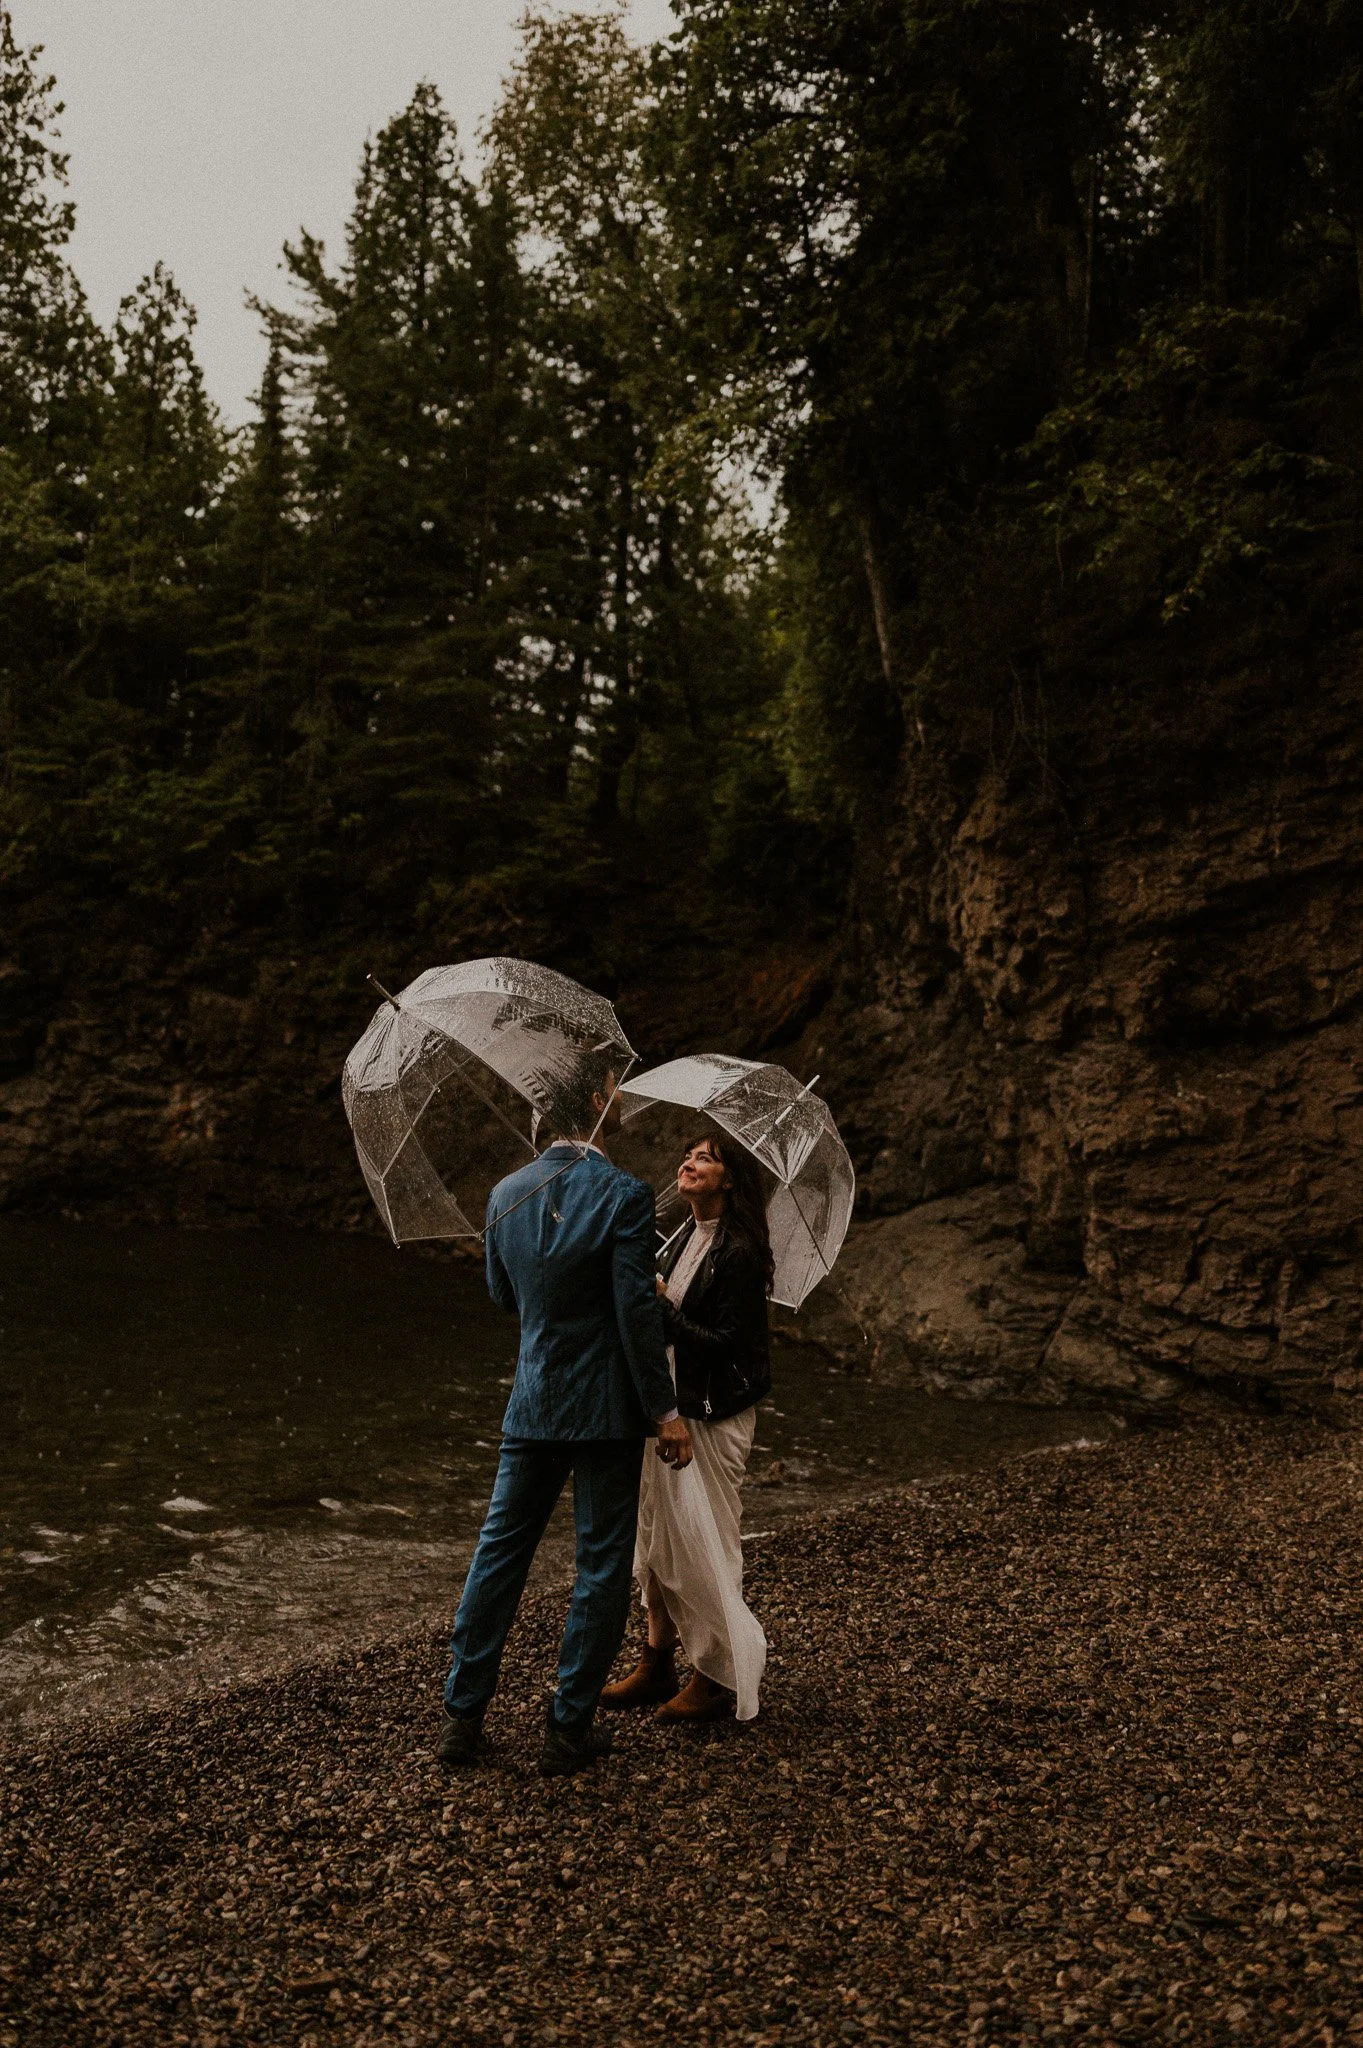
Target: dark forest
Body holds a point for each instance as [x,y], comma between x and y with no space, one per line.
[1024,328]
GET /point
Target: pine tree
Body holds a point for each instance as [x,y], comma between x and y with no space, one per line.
[52,363]
[51,354]
[401,431]
[156,482]
[635,548]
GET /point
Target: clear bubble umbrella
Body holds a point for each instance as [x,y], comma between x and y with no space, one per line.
[441,1089]
[790,1132]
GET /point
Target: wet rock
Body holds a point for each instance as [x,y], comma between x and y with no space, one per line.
[1125,987]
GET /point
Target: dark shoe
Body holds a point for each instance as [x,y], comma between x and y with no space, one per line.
[653,1678]
[703,1700]
[461,1738]
[571,1749]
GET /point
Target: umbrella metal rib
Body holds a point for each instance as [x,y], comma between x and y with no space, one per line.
[791,1104]
[488,1103]
[540,1186]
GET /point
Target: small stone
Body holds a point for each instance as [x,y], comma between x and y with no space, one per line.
[376,1901]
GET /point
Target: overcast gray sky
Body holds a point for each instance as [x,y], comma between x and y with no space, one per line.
[204,132]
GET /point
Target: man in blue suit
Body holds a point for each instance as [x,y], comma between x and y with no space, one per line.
[570,1249]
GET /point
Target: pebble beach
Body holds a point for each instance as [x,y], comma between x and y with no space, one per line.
[1068,1750]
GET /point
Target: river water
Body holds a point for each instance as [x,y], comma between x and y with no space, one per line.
[219,1451]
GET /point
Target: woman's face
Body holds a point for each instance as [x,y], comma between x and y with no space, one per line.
[701,1172]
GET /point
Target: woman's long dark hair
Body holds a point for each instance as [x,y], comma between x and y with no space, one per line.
[745,1208]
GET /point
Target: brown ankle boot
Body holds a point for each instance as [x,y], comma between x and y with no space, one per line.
[653,1678]
[703,1700]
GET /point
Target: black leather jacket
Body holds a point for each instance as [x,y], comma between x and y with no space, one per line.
[719,1334]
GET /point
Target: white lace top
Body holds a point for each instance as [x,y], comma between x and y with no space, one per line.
[689,1264]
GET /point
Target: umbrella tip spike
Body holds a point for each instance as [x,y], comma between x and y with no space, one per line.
[383,991]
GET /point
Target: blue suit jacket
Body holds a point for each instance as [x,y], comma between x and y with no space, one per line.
[575,1262]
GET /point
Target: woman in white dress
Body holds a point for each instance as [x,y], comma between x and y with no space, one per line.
[714,1280]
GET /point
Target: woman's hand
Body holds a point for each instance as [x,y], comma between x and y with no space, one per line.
[661,1284]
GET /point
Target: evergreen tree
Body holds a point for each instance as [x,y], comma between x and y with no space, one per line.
[917,235]
[1031,319]
[51,357]
[52,362]
[641,578]
[392,404]
[156,483]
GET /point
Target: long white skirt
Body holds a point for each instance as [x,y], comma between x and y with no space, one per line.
[688,1538]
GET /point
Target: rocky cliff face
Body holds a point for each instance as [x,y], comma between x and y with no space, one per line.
[1105,1052]
[195,1085]
[146,1077]
[1095,1045]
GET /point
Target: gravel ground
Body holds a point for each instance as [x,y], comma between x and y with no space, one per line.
[1068,1751]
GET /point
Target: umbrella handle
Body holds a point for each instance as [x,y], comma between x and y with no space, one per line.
[672,1240]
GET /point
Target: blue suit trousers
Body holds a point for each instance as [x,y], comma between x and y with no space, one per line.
[530,1477]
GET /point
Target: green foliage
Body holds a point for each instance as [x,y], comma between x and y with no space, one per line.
[643,551]
[394,655]
[1021,305]
[1032,326]
[51,353]
[1165,481]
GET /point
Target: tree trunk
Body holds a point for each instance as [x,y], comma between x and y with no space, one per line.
[880,609]
[1221,238]
[621,734]
[1090,253]
[560,764]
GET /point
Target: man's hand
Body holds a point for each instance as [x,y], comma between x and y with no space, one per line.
[674,1443]
[662,1286]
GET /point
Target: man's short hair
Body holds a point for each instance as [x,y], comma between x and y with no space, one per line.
[570,1111]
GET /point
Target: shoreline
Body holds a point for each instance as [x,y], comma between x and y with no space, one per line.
[1068,1747]
[322,1616]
